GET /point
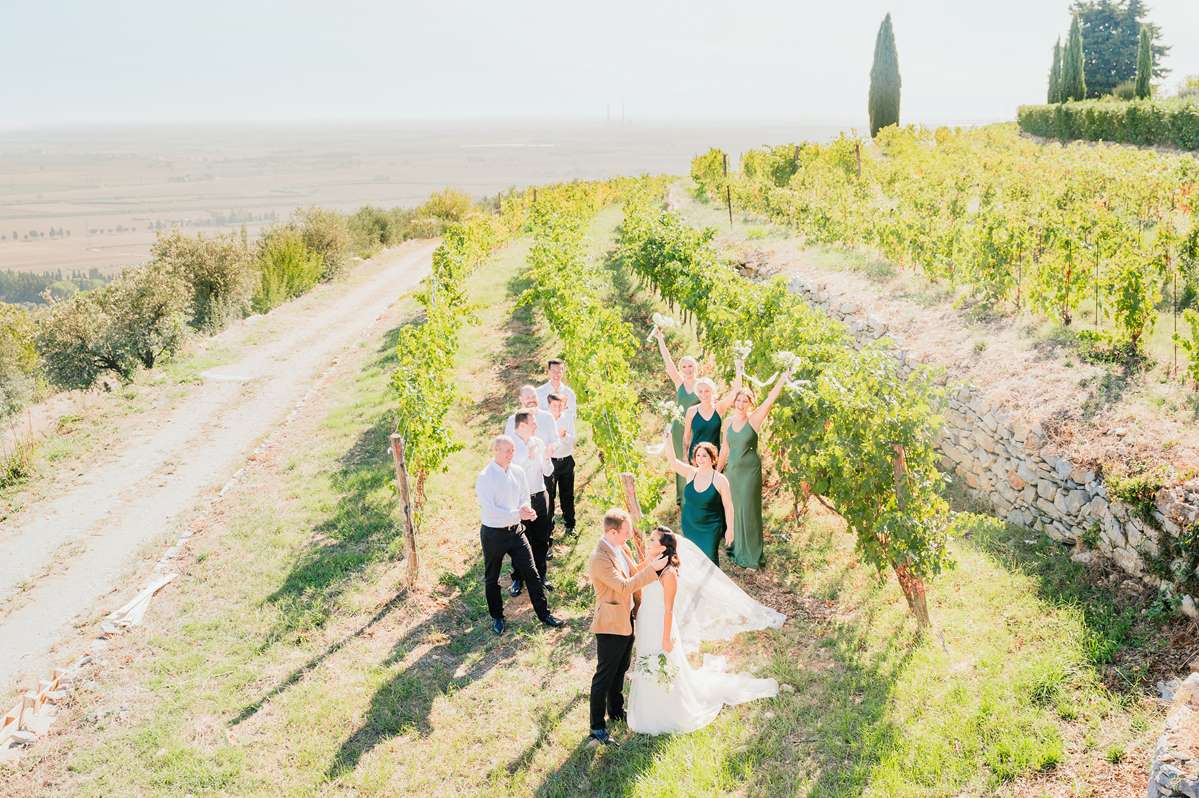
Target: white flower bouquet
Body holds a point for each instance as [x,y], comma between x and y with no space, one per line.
[786,360]
[659,668]
[742,349]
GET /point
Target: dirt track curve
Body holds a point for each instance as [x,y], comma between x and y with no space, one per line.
[60,557]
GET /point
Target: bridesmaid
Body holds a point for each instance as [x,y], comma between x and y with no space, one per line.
[702,423]
[683,377]
[707,500]
[744,470]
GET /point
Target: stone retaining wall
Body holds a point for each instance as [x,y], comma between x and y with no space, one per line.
[1174,772]
[1012,467]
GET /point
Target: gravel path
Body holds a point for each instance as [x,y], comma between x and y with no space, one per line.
[64,561]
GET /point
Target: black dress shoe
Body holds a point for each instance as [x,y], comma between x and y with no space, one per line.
[601,736]
[546,586]
[570,532]
[517,585]
[549,555]
[552,622]
[498,626]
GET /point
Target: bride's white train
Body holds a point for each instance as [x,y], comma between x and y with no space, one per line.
[668,694]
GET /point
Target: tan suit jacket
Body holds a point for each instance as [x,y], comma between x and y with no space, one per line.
[614,591]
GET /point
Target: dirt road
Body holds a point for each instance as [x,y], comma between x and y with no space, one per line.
[63,558]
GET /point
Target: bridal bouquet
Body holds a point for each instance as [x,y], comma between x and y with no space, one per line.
[659,668]
[742,349]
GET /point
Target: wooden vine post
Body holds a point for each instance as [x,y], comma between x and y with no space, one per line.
[728,193]
[857,152]
[634,507]
[911,585]
[397,456]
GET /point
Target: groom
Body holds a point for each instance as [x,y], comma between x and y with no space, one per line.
[615,579]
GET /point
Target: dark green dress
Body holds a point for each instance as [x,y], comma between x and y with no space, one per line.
[744,472]
[686,399]
[704,430]
[703,518]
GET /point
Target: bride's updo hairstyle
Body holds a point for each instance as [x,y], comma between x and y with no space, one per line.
[669,543]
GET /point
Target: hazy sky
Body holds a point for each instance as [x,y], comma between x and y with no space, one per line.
[129,61]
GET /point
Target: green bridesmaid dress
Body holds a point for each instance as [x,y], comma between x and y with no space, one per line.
[704,430]
[686,399]
[703,518]
[744,472]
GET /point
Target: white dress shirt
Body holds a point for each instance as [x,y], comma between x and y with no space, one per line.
[501,494]
[530,456]
[563,390]
[544,426]
[622,562]
[566,443]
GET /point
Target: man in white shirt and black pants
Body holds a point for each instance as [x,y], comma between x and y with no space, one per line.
[543,423]
[503,495]
[532,458]
[561,484]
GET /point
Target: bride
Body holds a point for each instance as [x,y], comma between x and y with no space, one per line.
[692,601]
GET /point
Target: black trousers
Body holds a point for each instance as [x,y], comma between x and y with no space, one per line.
[613,654]
[538,533]
[498,542]
[562,485]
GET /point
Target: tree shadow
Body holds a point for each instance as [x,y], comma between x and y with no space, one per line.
[602,771]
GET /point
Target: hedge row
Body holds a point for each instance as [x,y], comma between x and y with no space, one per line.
[1147,122]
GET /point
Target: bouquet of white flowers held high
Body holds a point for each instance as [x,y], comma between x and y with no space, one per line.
[787,360]
[661,323]
[670,410]
[742,349]
[659,667]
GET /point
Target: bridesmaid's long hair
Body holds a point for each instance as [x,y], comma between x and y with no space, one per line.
[671,546]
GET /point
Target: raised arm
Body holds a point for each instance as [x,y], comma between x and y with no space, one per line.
[724,449]
[690,414]
[726,497]
[670,585]
[761,411]
[676,465]
[605,572]
[725,402]
[671,370]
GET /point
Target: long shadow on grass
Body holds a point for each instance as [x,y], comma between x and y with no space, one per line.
[517,362]
[356,533]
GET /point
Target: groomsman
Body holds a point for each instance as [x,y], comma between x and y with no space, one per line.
[536,464]
[561,483]
[543,423]
[555,370]
[503,496]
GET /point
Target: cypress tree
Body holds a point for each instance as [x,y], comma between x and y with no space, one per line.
[1074,80]
[1144,63]
[1055,73]
[884,80]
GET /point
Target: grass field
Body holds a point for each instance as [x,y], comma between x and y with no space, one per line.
[286,663]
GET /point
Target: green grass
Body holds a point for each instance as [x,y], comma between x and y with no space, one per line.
[286,662]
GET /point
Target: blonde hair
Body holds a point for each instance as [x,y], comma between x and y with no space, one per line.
[748,393]
[711,383]
[614,519]
[688,359]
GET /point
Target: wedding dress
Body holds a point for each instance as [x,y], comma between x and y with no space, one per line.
[668,694]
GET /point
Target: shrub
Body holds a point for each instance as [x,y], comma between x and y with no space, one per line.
[1126,90]
[327,233]
[1190,345]
[707,171]
[448,205]
[139,318]
[18,359]
[287,268]
[370,229]
[219,273]
[1169,123]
